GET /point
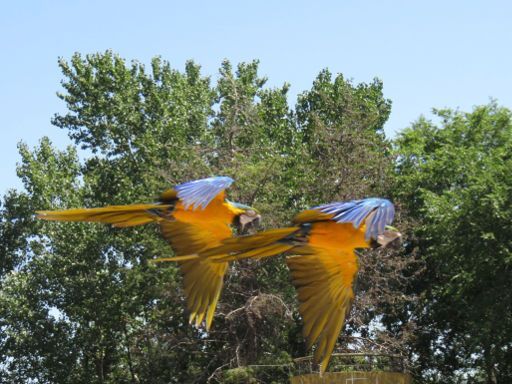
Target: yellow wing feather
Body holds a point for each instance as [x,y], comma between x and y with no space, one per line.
[323,273]
[116,215]
[311,215]
[323,279]
[191,233]
[202,281]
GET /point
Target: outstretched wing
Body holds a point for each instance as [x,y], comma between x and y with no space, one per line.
[116,215]
[194,230]
[199,193]
[323,279]
[195,194]
[375,213]
[202,278]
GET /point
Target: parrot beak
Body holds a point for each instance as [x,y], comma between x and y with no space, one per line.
[390,238]
[249,221]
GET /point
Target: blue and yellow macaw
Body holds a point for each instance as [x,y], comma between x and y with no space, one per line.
[322,260]
[193,217]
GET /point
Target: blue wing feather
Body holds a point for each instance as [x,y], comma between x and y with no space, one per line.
[358,211]
[199,193]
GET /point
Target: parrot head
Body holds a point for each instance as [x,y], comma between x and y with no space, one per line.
[247,219]
[391,237]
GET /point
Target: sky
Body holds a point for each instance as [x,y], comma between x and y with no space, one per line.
[428,54]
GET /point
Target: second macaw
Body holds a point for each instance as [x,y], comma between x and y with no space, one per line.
[322,260]
[193,217]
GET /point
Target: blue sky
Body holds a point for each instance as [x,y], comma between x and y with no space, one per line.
[429,54]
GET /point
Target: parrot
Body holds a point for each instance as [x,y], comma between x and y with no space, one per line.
[193,217]
[322,259]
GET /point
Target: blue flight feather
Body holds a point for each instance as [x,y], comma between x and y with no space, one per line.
[199,193]
[376,212]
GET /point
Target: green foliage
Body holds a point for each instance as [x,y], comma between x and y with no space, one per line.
[342,127]
[240,375]
[80,303]
[455,180]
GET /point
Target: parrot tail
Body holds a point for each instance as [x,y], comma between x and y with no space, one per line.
[262,244]
[116,215]
[257,253]
[174,258]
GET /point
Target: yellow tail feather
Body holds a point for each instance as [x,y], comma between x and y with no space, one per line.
[257,253]
[174,258]
[244,244]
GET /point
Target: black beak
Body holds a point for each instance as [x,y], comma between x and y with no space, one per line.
[247,223]
[389,239]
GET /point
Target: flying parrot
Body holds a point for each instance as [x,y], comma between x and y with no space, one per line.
[193,217]
[322,260]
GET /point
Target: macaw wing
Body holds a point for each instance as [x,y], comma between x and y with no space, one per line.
[376,213]
[202,278]
[116,215]
[323,279]
[311,215]
[199,193]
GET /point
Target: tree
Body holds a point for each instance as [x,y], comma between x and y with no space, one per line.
[80,303]
[454,179]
